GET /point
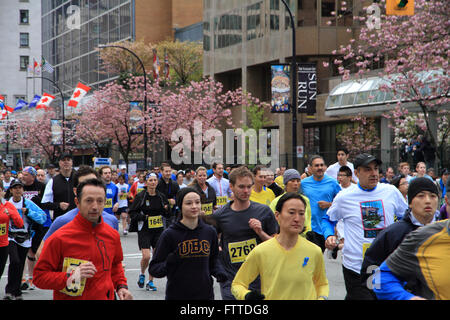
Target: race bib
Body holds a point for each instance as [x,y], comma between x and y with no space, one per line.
[108,203]
[239,250]
[2,229]
[139,190]
[76,288]
[207,208]
[222,200]
[123,196]
[155,222]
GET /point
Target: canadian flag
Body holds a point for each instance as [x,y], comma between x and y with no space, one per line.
[44,102]
[78,94]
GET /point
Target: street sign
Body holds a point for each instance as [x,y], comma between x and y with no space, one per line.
[98,162]
[299,151]
[9,160]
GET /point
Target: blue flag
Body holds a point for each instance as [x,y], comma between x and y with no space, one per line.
[34,102]
[20,104]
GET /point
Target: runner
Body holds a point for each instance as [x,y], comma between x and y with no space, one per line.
[147,212]
[366,211]
[169,188]
[220,184]
[320,190]
[289,266]
[291,181]
[423,198]
[242,225]
[260,193]
[271,184]
[8,213]
[187,253]
[83,173]
[422,258]
[122,211]
[83,260]
[137,187]
[342,157]
[20,239]
[207,193]
[58,195]
[112,192]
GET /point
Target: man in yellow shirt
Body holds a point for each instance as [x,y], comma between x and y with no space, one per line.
[289,266]
[292,184]
[260,193]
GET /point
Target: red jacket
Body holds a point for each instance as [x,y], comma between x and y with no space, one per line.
[4,221]
[74,243]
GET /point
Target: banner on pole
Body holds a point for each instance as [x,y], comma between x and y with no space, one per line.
[307,88]
[280,88]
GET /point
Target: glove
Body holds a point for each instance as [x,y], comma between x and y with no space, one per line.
[221,277]
[254,295]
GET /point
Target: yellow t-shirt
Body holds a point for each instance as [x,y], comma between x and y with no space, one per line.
[295,274]
[273,205]
[279,181]
[264,197]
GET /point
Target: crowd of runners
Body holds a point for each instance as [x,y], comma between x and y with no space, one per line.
[260,234]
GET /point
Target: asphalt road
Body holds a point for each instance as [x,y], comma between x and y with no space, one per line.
[132,258]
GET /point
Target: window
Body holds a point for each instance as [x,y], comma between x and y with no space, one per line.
[24,39]
[24,61]
[328,13]
[24,17]
[307,13]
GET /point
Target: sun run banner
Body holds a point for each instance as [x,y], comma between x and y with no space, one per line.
[307,88]
[78,94]
[44,102]
[280,88]
[155,65]
[136,114]
[57,132]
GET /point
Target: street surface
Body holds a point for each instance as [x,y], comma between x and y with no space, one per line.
[132,258]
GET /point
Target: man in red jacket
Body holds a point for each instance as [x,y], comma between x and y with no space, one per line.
[83,259]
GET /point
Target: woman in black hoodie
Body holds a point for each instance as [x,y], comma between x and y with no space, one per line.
[187,253]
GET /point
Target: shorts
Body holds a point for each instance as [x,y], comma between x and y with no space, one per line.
[120,210]
[37,238]
[148,239]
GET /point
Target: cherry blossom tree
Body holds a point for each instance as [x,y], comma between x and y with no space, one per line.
[361,136]
[414,51]
[35,133]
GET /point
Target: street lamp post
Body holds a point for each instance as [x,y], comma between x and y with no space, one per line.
[101,46]
[294,89]
[62,108]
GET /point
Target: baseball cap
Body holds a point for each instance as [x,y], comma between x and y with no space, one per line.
[65,155]
[15,182]
[364,159]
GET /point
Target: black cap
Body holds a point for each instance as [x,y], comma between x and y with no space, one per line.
[445,171]
[418,185]
[15,182]
[65,155]
[364,159]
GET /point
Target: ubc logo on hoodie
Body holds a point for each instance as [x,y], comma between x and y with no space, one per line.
[194,248]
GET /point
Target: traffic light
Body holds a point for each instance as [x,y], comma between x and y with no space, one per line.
[400,7]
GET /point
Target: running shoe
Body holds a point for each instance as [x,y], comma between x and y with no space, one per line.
[150,286]
[24,285]
[8,296]
[141,281]
[31,285]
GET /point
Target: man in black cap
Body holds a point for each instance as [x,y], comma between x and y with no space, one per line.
[366,210]
[58,195]
[423,201]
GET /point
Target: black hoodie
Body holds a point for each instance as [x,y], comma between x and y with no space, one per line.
[188,258]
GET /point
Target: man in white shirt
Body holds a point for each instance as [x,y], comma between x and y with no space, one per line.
[220,185]
[342,157]
[366,210]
